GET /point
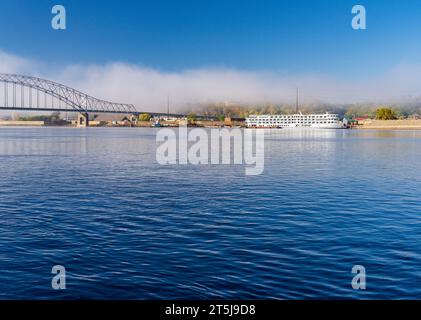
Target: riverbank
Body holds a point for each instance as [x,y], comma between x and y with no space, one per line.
[389,125]
[7,123]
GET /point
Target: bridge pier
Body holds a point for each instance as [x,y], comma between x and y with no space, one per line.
[82,120]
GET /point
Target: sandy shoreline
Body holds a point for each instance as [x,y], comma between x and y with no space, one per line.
[389,125]
[387,128]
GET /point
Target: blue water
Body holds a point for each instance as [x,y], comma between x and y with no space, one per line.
[96,202]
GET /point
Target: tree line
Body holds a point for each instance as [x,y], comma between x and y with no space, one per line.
[373,111]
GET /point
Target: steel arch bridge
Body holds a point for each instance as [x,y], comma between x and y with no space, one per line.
[18,92]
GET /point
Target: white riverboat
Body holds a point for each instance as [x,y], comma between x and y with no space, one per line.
[322,121]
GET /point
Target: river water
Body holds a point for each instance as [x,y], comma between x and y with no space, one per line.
[97,202]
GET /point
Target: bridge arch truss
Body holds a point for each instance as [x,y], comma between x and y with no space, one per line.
[25,93]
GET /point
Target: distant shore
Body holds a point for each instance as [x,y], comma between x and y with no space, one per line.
[389,125]
[12,123]
[367,124]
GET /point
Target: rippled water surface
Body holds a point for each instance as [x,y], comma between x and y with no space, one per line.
[96,202]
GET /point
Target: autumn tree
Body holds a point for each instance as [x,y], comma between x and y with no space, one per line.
[385,114]
[145,117]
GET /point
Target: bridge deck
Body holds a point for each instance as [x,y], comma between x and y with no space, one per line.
[25,93]
[136,113]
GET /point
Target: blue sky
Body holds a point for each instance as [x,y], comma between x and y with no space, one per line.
[289,38]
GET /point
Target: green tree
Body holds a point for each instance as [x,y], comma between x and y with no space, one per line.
[145,117]
[55,116]
[191,116]
[385,114]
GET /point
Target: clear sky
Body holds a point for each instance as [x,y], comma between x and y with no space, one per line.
[293,37]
